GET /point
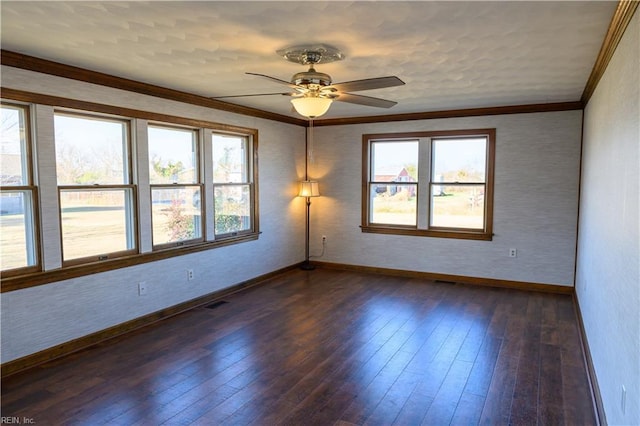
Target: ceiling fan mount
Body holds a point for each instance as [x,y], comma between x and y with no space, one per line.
[311,54]
[317,87]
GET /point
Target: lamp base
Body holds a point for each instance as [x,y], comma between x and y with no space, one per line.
[306,266]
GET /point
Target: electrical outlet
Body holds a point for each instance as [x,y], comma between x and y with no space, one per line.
[142,288]
[189,274]
[513,252]
[623,399]
[324,239]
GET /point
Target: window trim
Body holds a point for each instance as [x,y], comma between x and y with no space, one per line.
[252,182]
[25,279]
[486,234]
[129,185]
[199,182]
[31,186]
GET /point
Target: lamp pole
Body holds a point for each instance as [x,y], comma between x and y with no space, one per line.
[307,266]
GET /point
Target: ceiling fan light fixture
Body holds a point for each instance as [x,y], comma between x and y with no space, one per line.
[311,107]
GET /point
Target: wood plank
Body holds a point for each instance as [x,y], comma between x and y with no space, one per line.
[446,400]
[525,394]
[550,398]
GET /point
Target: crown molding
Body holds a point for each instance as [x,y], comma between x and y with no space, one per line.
[31,63]
[619,22]
[469,112]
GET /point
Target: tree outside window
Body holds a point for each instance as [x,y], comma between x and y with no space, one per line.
[175,188]
[233,186]
[97,208]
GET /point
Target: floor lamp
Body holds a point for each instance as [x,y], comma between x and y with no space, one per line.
[308,189]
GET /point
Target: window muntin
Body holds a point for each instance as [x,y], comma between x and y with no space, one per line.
[233,187]
[18,232]
[97,208]
[429,183]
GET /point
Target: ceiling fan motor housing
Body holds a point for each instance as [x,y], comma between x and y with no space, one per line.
[311,77]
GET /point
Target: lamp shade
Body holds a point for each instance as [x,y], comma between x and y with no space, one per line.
[309,188]
[311,107]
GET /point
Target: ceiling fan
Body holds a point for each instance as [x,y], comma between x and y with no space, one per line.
[313,91]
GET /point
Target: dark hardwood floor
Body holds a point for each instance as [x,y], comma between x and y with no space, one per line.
[329,347]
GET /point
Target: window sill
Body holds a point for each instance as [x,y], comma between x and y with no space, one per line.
[444,233]
[65,273]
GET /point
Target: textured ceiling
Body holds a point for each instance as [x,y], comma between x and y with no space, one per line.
[451,55]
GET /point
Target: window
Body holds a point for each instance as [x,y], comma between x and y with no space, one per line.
[176,205]
[233,187]
[97,212]
[203,189]
[18,234]
[437,184]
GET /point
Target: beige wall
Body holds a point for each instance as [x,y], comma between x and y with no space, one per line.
[535,204]
[608,274]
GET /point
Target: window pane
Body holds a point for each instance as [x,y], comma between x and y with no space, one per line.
[230,159]
[17,230]
[96,222]
[232,209]
[394,161]
[13,155]
[176,214]
[457,206]
[459,160]
[393,204]
[91,151]
[172,156]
